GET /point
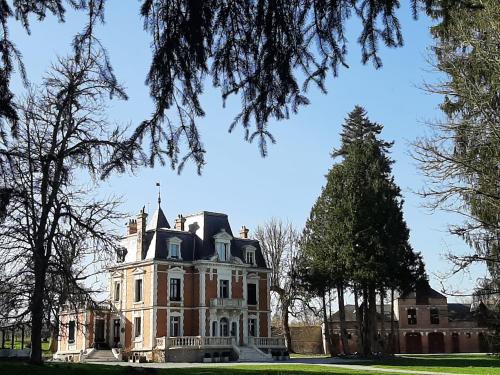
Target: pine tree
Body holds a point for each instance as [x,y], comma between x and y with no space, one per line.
[356,234]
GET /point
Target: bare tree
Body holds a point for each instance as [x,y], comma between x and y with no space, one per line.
[53,224]
[279,243]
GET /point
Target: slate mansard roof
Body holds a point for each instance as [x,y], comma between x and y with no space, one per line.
[197,238]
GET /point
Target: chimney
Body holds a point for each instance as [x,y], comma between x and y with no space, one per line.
[244,232]
[141,234]
[131,226]
[179,222]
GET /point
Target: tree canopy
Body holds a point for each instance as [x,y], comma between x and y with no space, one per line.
[267,52]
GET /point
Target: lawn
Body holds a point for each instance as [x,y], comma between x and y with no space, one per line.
[12,368]
[458,364]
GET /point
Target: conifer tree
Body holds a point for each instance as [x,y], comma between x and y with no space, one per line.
[356,234]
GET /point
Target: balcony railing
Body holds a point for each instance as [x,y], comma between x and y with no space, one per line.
[267,342]
[193,342]
[227,303]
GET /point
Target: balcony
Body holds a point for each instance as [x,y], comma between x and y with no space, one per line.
[193,342]
[228,303]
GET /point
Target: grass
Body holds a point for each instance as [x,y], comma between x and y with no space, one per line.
[16,368]
[457,364]
[17,345]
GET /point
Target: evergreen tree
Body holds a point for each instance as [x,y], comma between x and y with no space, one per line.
[356,234]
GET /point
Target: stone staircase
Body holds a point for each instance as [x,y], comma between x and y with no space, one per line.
[101,356]
[252,354]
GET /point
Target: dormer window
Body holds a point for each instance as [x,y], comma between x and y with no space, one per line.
[223,245]
[250,255]
[222,250]
[174,248]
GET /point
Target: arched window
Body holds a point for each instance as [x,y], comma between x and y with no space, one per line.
[224,327]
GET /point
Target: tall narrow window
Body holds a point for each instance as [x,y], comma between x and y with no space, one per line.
[224,327]
[224,289]
[252,327]
[175,250]
[412,316]
[434,312]
[250,257]
[71,332]
[117,291]
[222,250]
[138,290]
[175,289]
[137,326]
[252,294]
[175,326]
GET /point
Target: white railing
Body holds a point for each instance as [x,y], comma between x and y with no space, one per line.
[193,342]
[217,341]
[227,302]
[267,342]
[160,342]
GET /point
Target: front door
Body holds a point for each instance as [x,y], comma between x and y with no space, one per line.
[99,331]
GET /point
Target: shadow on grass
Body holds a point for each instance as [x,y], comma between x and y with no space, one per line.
[19,368]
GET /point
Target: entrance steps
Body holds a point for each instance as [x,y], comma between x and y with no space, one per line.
[252,354]
[101,356]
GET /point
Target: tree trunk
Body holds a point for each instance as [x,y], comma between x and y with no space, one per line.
[343,330]
[382,322]
[328,336]
[372,318]
[365,325]
[359,322]
[37,309]
[392,348]
[286,326]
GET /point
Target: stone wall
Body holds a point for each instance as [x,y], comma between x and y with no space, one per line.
[306,339]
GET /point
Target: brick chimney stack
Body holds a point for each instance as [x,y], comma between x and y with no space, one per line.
[244,232]
[131,226]
[179,222]
[141,234]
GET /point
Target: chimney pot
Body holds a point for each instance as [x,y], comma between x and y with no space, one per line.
[179,222]
[244,232]
[131,226]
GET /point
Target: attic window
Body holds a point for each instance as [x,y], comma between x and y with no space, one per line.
[174,248]
[222,250]
[250,256]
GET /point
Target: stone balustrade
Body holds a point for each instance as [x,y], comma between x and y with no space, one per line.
[227,303]
[267,342]
[193,342]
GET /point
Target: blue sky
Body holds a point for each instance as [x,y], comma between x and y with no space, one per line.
[236,180]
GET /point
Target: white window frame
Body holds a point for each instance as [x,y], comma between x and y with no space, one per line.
[177,242]
[72,342]
[117,296]
[223,238]
[141,300]
[250,250]
[179,315]
[138,341]
[175,273]
[257,326]
[138,336]
[252,278]
[224,273]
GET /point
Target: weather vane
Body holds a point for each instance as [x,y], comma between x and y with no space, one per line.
[159,197]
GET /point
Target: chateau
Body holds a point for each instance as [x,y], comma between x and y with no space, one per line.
[194,292]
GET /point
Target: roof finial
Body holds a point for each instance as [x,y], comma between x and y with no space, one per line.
[159,196]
